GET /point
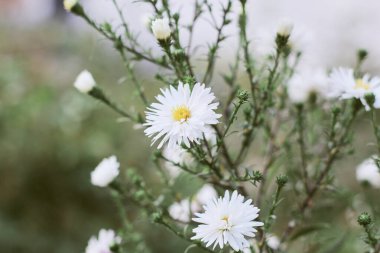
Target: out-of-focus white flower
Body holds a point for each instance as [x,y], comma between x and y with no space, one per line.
[104,242]
[204,195]
[343,84]
[161,28]
[105,172]
[368,171]
[182,115]
[84,82]
[146,19]
[227,221]
[307,82]
[285,28]
[69,4]
[183,209]
[177,155]
[273,242]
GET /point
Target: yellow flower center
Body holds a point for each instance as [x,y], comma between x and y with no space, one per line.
[360,84]
[181,113]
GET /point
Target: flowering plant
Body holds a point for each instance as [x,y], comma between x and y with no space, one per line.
[262,156]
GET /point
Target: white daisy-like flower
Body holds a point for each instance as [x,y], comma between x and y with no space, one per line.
[368,172]
[305,83]
[105,172]
[85,82]
[182,115]
[227,221]
[106,239]
[161,28]
[343,84]
[182,210]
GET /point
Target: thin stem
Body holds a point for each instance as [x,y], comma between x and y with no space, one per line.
[219,38]
[301,142]
[98,94]
[375,128]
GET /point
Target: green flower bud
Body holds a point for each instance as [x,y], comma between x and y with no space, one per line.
[281,180]
[364,219]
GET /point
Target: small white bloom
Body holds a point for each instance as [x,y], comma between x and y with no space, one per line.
[85,82]
[161,28]
[227,221]
[104,242]
[368,171]
[183,210]
[105,172]
[177,155]
[273,242]
[344,85]
[204,195]
[285,28]
[69,4]
[182,115]
[307,82]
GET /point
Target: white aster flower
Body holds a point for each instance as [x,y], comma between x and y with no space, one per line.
[344,85]
[182,115]
[273,242]
[368,172]
[285,28]
[183,210]
[227,221]
[307,82]
[84,82]
[105,172]
[104,242]
[69,4]
[161,28]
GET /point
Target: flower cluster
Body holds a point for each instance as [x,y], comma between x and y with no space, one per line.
[106,240]
[300,115]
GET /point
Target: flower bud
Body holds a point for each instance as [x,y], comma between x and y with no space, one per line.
[105,172]
[285,28]
[243,96]
[281,180]
[69,4]
[85,82]
[161,29]
[364,219]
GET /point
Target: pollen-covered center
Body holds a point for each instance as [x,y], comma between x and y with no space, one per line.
[181,113]
[360,84]
[226,224]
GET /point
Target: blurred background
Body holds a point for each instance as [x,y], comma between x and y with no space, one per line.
[51,136]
